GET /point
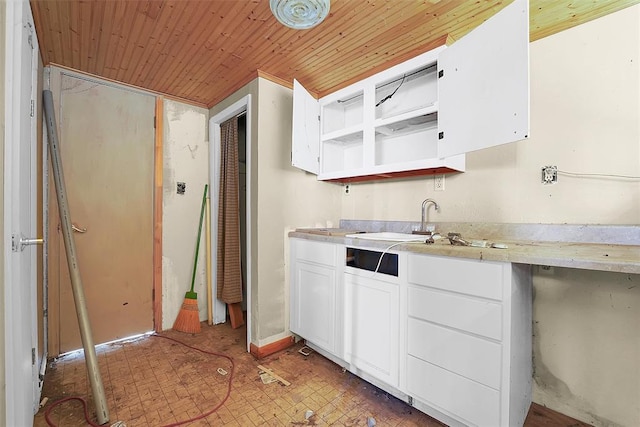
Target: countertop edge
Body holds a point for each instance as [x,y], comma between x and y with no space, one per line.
[586,256]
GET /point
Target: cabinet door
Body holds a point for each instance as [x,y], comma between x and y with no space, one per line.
[484,84]
[313,304]
[305,143]
[371,327]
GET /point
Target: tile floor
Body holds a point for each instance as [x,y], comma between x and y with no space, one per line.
[153,381]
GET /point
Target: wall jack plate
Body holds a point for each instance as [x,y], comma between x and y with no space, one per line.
[549,175]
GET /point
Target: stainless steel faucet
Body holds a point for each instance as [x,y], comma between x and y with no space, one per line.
[423,223]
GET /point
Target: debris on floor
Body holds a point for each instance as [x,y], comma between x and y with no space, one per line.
[222,371]
[266,378]
[305,351]
[309,419]
[371,422]
[43,402]
[273,375]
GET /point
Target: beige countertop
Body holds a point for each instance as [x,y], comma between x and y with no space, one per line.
[588,256]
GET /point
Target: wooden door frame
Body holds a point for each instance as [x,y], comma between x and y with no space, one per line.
[157,214]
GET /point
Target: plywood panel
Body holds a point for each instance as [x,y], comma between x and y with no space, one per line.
[107,146]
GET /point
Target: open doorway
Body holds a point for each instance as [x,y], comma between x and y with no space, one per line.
[242,110]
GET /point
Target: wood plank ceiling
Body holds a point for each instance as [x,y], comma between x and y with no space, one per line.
[201,51]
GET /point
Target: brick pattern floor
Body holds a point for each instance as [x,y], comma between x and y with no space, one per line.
[153,381]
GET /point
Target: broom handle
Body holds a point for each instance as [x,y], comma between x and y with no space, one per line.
[195,262]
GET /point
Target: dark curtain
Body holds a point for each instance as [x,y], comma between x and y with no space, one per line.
[229,277]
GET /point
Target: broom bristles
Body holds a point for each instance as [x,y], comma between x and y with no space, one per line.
[188,319]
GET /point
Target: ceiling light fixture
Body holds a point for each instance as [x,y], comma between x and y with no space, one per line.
[300,14]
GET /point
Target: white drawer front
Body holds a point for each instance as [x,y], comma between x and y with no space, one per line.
[471,357]
[475,403]
[479,278]
[457,311]
[316,252]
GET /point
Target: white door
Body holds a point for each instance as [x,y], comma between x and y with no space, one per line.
[21,367]
[483,91]
[371,326]
[313,304]
[305,146]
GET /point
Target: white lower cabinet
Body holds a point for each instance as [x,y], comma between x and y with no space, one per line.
[468,326]
[451,336]
[371,323]
[315,308]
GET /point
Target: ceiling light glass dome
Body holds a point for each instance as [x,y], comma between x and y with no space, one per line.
[300,14]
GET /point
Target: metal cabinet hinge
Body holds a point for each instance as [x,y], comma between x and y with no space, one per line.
[32,108]
[33,356]
[440,135]
[440,74]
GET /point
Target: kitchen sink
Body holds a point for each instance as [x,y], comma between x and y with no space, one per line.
[390,236]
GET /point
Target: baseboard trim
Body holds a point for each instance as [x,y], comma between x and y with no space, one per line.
[274,347]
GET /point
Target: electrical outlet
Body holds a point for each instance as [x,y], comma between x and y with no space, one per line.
[438,183]
[549,175]
[181,187]
[347,189]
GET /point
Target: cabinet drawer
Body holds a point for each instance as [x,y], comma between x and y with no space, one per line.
[475,403]
[479,278]
[477,316]
[469,356]
[316,252]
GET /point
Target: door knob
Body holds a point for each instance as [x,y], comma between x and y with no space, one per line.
[74,228]
[18,244]
[78,229]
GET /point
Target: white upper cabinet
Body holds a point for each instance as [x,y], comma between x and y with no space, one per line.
[306,130]
[484,84]
[423,115]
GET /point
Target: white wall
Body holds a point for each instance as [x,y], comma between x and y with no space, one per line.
[287,198]
[185,159]
[282,198]
[585,111]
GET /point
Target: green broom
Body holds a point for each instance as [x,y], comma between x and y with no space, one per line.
[188,319]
